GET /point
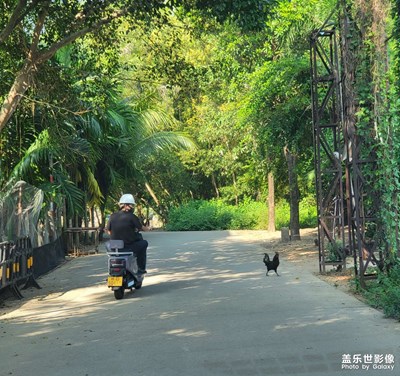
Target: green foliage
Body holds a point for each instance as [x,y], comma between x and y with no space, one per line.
[282,214]
[377,111]
[216,215]
[279,104]
[200,215]
[233,75]
[250,15]
[334,250]
[307,213]
[202,74]
[384,293]
[292,22]
[170,182]
[249,215]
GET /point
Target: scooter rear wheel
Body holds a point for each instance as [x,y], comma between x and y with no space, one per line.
[119,294]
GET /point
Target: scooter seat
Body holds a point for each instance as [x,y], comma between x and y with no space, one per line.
[119,254]
[116,244]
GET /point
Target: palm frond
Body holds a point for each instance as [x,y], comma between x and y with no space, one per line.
[91,127]
[78,147]
[39,153]
[94,193]
[117,120]
[162,141]
[73,195]
[156,120]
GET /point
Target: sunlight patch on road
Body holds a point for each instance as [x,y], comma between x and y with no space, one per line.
[314,322]
[58,306]
[215,276]
[187,333]
[169,315]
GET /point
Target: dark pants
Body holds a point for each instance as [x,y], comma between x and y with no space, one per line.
[139,248]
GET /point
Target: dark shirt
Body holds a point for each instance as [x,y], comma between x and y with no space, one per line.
[124,226]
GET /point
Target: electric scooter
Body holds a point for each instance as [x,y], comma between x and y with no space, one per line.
[122,269]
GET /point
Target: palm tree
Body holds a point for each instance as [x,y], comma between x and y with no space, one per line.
[91,156]
[134,133]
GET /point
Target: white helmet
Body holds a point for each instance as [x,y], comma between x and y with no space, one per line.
[127,199]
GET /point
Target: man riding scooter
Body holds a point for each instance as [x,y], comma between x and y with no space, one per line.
[125,225]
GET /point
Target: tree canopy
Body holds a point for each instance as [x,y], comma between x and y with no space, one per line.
[176,100]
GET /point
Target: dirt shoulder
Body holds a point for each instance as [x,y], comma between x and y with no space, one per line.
[304,252]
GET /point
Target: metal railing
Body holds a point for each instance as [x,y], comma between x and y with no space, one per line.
[82,240]
[16,266]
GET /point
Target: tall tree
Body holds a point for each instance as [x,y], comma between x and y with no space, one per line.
[278,104]
[38,29]
[202,73]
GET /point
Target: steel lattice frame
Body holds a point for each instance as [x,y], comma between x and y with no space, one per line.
[337,142]
[329,147]
[365,230]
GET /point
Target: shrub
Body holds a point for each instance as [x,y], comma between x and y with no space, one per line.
[282,214]
[217,215]
[308,212]
[384,293]
[250,215]
[197,216]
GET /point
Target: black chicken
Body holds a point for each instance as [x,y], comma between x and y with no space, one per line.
[271,265]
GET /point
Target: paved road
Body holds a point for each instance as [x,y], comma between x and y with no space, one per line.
[206,308]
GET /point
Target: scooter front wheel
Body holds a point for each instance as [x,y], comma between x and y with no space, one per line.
[119,294]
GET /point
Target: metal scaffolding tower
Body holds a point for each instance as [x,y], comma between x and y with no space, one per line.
[329,147]
[344,162]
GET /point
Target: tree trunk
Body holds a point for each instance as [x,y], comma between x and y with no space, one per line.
[21,84]
[235,187]
[214,183]
[271,202]
[291,160]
